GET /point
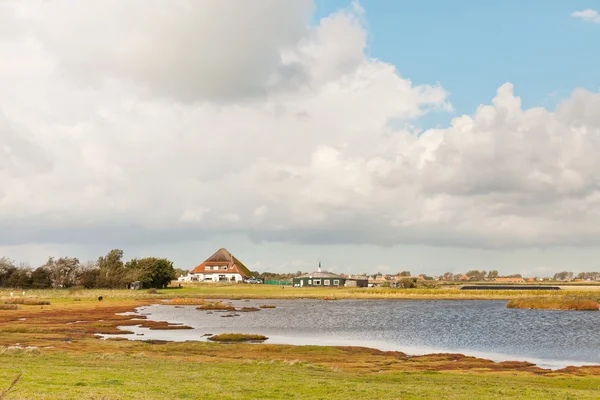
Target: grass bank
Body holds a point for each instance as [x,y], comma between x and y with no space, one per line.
[237,337]
[241,291]
[139,376]
[546,303]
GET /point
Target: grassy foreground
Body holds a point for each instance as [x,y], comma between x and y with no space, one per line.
[139,376]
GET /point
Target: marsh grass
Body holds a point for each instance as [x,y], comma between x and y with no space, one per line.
[237,337]
[215,291]
[217,305]
[267,306]
[187,301]
[9,307]
[28,301]
[10,388]
[248,309]
[546,303]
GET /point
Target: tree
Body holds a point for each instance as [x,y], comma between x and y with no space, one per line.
[181,272]
[492,274]
[404,273]
[448,276]
[588,275]
[151,271]
[475,275]
[112,272]
[7,268]
[63,273]
[88,277]
[563,276]
[21,277]
[40,278]
[408,283]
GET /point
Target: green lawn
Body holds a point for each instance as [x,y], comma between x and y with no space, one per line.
[98,376]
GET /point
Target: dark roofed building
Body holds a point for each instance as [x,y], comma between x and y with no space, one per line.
[321,278]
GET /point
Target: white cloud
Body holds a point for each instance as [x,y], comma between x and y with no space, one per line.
[588,15]
[257,123]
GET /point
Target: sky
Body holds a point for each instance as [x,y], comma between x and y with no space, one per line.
[372,136]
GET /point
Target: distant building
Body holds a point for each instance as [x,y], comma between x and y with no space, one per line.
[220,267]
[321,278]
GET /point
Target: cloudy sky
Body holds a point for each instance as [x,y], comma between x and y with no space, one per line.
[373,136]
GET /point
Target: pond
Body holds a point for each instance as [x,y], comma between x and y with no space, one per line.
[486,329]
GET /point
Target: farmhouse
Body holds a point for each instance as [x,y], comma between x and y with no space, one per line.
[326,279]
[220,267]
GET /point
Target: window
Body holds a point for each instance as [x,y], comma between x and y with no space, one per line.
[326,282]
[336,282]
[309,282]
[208,268]
[224,267]
[317,282]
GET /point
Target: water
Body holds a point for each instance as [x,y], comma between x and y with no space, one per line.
[487,329]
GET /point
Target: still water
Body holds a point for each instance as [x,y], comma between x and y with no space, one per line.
[487,329]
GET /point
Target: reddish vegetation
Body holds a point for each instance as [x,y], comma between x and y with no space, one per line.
[546,303]
[248,309]
[29,301]
[72,327]
[187,301]
[219,305]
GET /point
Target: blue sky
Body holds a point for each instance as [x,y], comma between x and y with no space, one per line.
[471,47]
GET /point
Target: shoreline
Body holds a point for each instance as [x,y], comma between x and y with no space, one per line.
[71,325]
[140,333]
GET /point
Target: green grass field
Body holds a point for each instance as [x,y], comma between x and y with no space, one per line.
[105,376]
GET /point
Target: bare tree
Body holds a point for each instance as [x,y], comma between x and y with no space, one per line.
[63,272]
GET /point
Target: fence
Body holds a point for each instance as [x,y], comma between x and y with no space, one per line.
[281,283]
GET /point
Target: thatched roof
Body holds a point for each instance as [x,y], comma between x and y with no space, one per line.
[222,256]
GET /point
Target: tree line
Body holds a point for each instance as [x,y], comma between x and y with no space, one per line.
[567,276]
[109,271]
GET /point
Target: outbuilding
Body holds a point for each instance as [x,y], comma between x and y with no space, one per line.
[321,278]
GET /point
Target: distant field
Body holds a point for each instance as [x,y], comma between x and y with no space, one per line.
[244,291]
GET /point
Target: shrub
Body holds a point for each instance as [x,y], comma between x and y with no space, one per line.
[187,302]
[249,309]
[25,301]
[546,303]
[237,337]
[219,305]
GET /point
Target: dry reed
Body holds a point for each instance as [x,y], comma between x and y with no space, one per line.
[545,303]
